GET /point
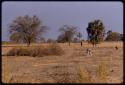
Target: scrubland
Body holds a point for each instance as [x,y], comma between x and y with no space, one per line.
[61,63]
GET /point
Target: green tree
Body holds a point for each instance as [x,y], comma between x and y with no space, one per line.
[68,32]
[96,32]
[26,29]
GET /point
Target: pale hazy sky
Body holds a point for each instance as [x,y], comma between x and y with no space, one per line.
[55,14]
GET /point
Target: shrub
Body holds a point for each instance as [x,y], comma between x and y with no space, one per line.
[63,74]
[52,49]
[83,75]
[103,72]
[114,36]
[55,49]
[18,52]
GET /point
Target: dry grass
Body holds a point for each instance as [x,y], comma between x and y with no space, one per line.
[52,49]
[103,72]
[78,68]
[6,75]
[62,74]
[19,52]
[83,75]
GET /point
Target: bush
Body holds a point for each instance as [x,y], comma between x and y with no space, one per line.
[18,52]
[52,49]
[103,72]
[62,74]
[83,75]
[114,36]
[55,49]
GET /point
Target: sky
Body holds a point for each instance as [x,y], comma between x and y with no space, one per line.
[56,14]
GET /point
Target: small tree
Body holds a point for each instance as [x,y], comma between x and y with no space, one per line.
[79,35]
[42,40]
[96,32]
[51,40]
[68,32]
[109,32]
[26,29]
[75,40]
[61,38]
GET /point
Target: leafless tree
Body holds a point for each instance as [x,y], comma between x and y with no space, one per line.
[26,29]
[68,32]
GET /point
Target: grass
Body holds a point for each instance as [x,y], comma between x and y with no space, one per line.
[103,72]
[39,51]
[83,75]
[6,75]
[19,52]
[62,73]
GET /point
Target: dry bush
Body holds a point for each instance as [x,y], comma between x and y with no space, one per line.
[36,51]
[66,74]
[103,72]
[55,49]
[52,49]
[18,52]
[83,75]
[6,74]
[62,74]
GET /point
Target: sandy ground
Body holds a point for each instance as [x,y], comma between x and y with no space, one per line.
[26,69]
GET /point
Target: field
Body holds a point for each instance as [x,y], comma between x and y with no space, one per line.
[105,65]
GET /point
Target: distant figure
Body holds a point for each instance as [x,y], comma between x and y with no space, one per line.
[88,51]
[116,47]
[81,43]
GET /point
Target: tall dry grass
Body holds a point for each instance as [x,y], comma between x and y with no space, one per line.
[52,49]
[103,72]
[83,75]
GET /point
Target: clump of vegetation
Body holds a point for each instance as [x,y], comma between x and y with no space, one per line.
[62,74]
[52,49]
[113,36]
[6,74]
[83,75]
[96,32]
[56,49]
[18,52]
[103,72]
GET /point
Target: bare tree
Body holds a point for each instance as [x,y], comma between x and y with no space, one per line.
[68,32]
[26,29]
[79,35]
[51,40]
[61,38]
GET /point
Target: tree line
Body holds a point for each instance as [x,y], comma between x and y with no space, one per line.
[28,29]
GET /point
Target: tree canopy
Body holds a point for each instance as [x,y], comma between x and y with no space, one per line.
[67,32]
[96,31]
[26,29]
[114,36]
